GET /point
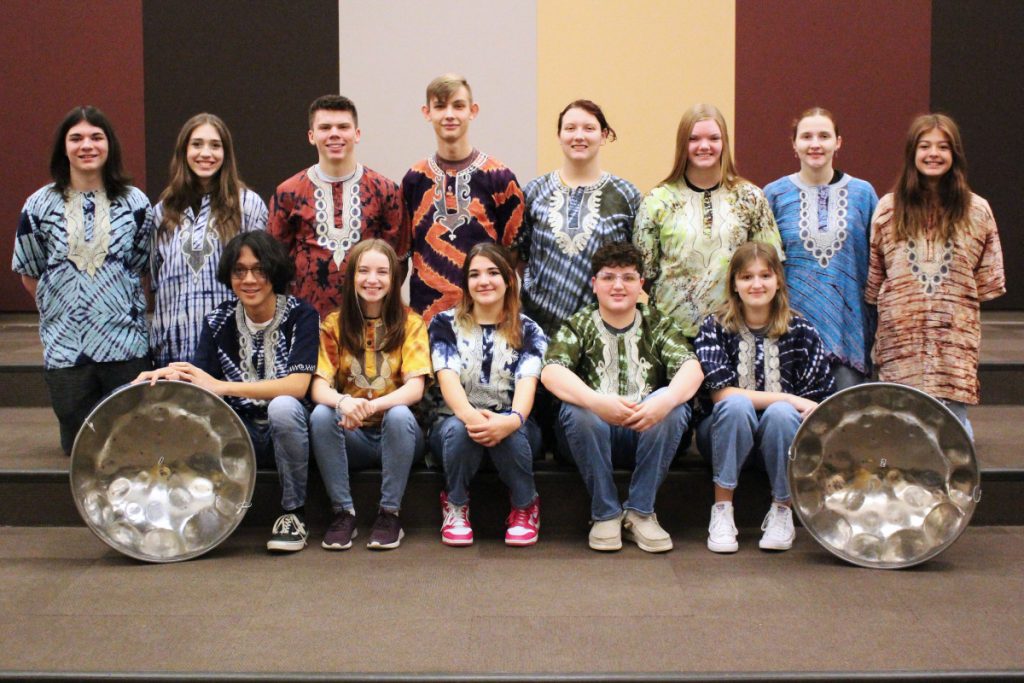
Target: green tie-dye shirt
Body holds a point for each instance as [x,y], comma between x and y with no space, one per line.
[687,238]
[631,364]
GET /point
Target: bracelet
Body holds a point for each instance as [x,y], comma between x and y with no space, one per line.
[519,415]
[337,406]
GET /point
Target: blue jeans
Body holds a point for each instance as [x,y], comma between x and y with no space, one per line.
[461,456]
[393,447]
[598,447]
[283,441]
[736,429]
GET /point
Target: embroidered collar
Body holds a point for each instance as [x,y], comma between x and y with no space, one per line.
[247,343]
[337,240]
[87,255]
[746,371]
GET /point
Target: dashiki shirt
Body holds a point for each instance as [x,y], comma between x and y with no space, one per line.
[687,237]
[795,363]
[183,273]
[448,208]
[825,231]
[631,364]
[487,366]
[374,373]
[233,349]
[928,296]
[88,253]
[319,221]
[562,229]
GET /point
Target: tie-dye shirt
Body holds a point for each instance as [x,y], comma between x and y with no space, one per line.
[183,274]
[365,206]
[448,210]
[86,318]
[687,237]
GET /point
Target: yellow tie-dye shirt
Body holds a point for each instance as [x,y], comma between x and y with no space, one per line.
[373,373]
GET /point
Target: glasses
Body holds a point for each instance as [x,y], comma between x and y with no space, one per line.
[239,273]
[624,278]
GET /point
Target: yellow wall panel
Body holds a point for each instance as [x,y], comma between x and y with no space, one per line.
[644,62]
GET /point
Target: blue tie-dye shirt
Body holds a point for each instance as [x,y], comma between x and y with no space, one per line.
[86,318]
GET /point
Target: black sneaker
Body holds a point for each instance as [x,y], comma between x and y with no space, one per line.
[289,534]
[387,532]
[341,532]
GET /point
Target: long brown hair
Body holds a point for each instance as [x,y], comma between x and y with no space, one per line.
[115,181]
[352,322]
[702,112]
[509,326]
[730,313]
[914,204]
[184,188]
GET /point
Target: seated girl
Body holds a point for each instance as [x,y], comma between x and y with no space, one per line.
[765,369]
[488,357]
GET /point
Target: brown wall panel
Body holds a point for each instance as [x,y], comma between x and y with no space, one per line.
[57,55]
[257,65]
[866,60]
[977,59]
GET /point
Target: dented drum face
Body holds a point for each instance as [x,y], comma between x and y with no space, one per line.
[883,476]
[163,473]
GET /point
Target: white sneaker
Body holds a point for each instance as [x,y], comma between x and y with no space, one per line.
[778,528]
[722,530]
[606,535]
[645,531]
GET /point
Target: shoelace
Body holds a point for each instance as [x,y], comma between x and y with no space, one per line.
[338,523]
[720,522]
[776,521]
[520,517]
[455,515]
[288,524]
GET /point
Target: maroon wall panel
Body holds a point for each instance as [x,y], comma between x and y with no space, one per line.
[866,60]
[57,55]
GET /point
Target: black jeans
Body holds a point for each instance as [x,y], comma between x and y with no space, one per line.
[74,392]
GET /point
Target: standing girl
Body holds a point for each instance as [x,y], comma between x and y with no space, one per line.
[824,217]
[81,249]
[935,256]
[487,357]
[203,207]
[765,370]
[689,226]
[374,363]
[571,212]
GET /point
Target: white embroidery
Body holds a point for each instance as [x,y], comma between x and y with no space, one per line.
[573,239]
[745,369]
[823,244]
[608,367]
[930,272]
[502,378]
[461,216]
[87,255]
[246,343]
[337,240]
[196,255]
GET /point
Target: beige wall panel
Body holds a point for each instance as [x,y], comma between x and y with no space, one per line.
[644,62]
[390,50]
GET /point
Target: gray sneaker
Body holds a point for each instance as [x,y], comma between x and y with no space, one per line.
[606,535]
[645,531]
[387,532]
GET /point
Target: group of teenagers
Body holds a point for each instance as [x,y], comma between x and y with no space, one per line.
[614,323]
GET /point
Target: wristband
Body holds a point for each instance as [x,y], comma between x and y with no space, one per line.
[337,406]
[519,415]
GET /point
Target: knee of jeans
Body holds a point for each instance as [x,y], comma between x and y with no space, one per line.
[398,415]
[578,415]
[284,410]
[323,415]
[735,404]
[453,427]
[780,411]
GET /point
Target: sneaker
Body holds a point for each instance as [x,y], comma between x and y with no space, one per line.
[386,532]
[340,532]
[645,531]
[778,528]
[606,535]
[722,530]
[455,529]
[523,524]
[289,534]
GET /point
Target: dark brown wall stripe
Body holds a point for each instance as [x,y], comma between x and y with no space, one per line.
[977,59]
[866,60]
[57,55]
[257,65]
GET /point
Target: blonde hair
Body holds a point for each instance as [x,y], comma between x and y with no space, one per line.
[730,313]
[696,113]
[444,86]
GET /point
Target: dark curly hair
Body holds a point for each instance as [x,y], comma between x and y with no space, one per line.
[616,255]
[274,259]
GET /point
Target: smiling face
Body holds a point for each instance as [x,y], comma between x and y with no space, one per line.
[486,285]
[87,147]
[704,151]
[251,285]
[372,280]
[756,285]
[816,142]
[934,155]
[451,119]
[581,136]
[204,153]
[617,288]
[335,136]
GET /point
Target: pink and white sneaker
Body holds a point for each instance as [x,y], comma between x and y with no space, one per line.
[523,524]
[455,529]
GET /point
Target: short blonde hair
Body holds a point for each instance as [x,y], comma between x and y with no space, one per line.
[444,86]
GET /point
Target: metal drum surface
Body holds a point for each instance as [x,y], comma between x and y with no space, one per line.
[163,473]
[883,476]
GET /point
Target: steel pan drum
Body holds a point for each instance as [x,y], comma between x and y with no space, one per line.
[163,473]
[883,476]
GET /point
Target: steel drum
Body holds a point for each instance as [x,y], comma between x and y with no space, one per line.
[883,476]
[163,473]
